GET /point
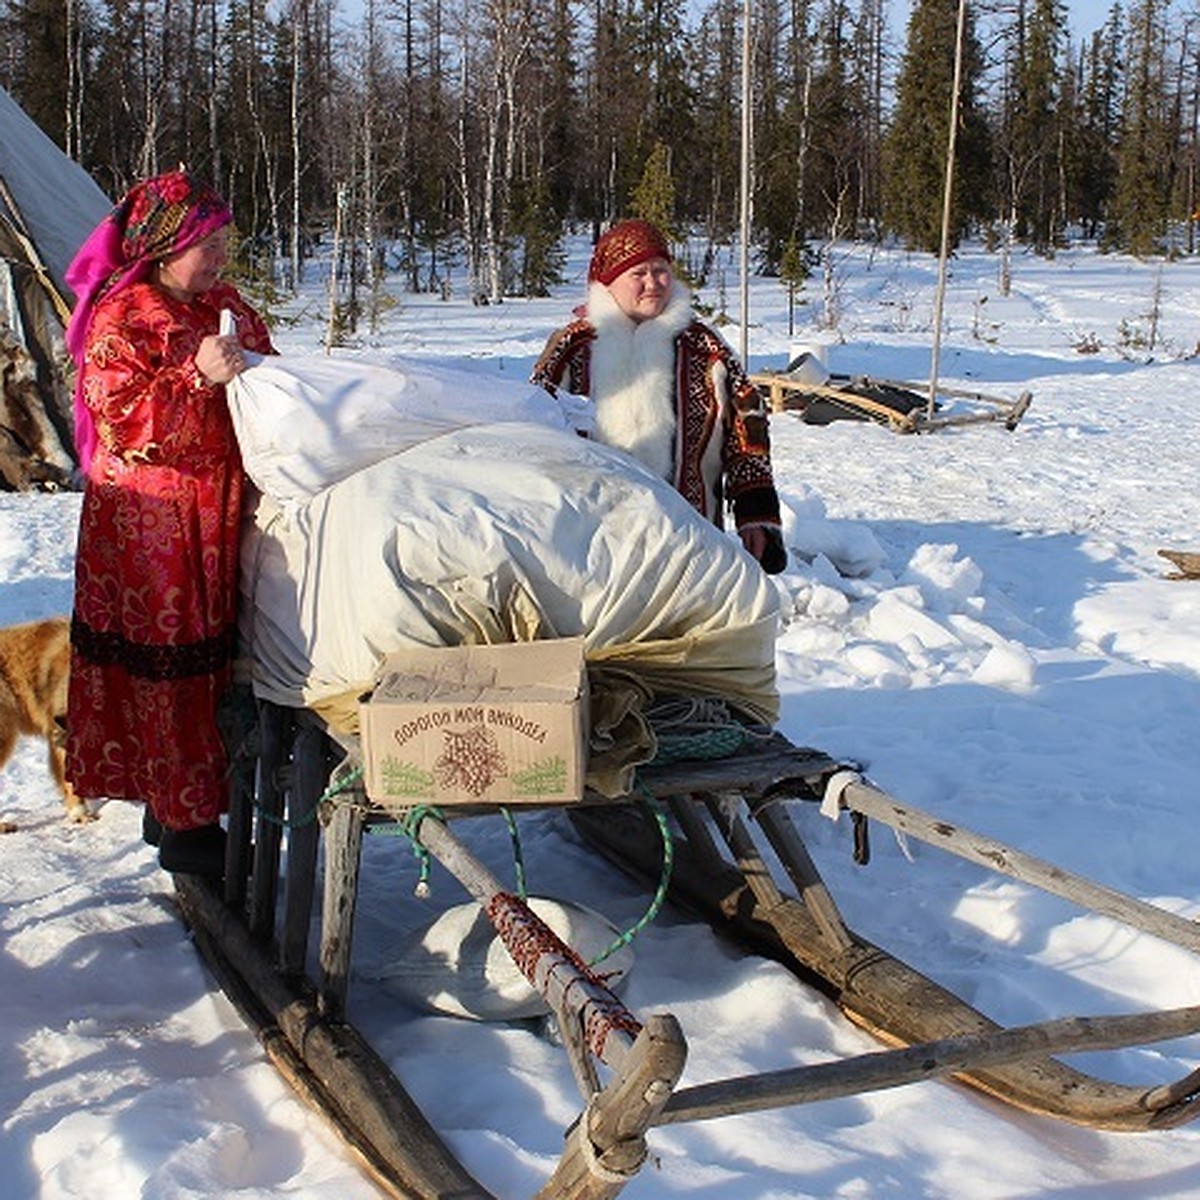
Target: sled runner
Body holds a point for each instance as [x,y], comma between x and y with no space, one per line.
[721,822]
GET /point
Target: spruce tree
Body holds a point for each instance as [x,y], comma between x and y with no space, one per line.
[915,149]
[1094,170]
[1144,157]
[1032,130]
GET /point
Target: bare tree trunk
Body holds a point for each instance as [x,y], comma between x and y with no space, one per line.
[491,232]
[214,139]
[295,255]
[470,240]
[333,325]
[73,115]
[830,295]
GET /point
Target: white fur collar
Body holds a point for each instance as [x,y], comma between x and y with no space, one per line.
[633,376]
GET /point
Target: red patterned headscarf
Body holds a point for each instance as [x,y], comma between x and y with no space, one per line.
[625,245]
[155,218]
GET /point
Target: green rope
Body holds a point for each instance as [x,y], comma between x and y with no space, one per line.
[709,743]
[660,892]
[410,828]
[692,728]
[518,860]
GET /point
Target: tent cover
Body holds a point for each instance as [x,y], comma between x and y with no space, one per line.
[48,206]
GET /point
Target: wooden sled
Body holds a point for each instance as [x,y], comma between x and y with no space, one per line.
[1186,563]
[629,1070]
[902,407]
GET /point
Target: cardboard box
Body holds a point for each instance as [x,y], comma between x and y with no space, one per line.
[500,724]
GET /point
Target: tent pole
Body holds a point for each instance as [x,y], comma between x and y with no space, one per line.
[21,229]
[947,205]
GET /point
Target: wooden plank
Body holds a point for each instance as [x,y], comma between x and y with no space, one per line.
[343,861]
[275,737]
[310,770]
[688,817]
[749,861]
[798,863]
[240,821]
[777,767]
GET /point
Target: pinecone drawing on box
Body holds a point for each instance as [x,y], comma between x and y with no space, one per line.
[470,761]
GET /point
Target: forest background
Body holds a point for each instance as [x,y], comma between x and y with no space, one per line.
[433,138]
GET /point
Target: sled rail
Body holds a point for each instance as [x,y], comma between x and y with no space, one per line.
[1174,1104]
[870,801]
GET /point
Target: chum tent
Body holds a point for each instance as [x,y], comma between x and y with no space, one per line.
[48,206]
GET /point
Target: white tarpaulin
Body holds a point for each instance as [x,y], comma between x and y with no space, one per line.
[305,423]
[502,533]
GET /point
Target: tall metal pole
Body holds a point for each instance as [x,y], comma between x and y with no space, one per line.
[947,204]
[744,262]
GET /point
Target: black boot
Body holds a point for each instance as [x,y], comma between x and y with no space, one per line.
[152,831]
[193,851]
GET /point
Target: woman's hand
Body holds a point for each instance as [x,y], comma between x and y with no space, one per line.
[219,359]
[755,541]
[766,545]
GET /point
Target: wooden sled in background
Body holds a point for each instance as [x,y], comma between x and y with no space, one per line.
[902,407]
[727,821]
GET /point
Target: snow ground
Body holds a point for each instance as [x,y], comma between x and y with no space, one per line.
[976,615]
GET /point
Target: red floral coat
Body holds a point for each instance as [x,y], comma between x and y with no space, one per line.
[154,625]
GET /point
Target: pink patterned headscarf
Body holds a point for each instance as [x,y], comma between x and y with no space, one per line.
[154,219]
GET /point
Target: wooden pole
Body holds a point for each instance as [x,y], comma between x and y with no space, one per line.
[996,856]
[930,1060]
[21,230]
[947,208]
[607,1146]
[573,993]
[744,236]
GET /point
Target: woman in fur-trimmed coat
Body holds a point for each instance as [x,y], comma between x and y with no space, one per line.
[666,388]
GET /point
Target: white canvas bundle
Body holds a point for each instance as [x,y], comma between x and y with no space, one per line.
[499,533]
[306,422]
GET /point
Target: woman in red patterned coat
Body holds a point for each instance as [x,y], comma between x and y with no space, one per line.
[153,632]
[666,388]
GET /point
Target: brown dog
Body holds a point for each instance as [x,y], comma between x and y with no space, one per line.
[34,664]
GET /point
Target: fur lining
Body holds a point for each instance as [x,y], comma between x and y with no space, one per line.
[633,376]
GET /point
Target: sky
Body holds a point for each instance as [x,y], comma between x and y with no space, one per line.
[978,617]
